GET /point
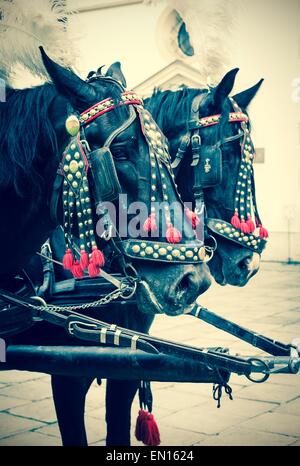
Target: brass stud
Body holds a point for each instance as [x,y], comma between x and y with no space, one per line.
[201,253]
[73,166]
[149,250]
[169,257]
[176,253]
[162,251]
[143,245]
[189,254]
[136,248]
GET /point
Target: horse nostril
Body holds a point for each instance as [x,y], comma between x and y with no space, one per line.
[186,287]
[244,263]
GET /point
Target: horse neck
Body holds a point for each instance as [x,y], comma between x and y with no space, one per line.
[25,219]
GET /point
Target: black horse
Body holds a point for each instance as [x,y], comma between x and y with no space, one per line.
[232,263]
[33,139]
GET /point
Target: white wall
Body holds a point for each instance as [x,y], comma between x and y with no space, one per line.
[266,43]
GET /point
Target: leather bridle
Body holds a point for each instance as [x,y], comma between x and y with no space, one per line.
[103,185]
[207,169]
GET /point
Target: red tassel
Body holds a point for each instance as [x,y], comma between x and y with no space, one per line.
[140,425]
[251,224]
[93,270]
[98,257]
[192,217]
[173,235]
[244,227]
[263,232]
[84,259]
[150,224]
[68,259]
[146,429]
[77,270]
[235,221]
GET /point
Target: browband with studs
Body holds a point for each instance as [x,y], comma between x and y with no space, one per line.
[106,105]
[234,117]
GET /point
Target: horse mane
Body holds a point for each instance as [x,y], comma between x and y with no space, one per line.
[26,133]
[167,106]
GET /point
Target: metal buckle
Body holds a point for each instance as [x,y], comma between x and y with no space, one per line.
[43,303]
[256,362]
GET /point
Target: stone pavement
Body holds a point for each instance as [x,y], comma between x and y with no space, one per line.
[266,414]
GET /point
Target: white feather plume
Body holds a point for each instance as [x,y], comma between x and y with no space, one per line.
[24,26]
[209,24]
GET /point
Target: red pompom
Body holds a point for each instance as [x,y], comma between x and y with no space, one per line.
[68,259]
[173,235]
[192,217]
[77,270]
[244,227]
[263,232]
[251,224]
[98,257]
[93,270]
[235,221]
[146,429]
[150,224]
[84,259]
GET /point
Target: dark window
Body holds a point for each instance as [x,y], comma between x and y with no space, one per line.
[184,43]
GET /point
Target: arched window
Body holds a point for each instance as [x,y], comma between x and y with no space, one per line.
[173,38]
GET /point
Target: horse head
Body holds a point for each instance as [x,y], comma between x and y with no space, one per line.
[210,142]
[124,153]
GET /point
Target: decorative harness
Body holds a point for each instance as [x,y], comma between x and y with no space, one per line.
[103,182]
[245,227]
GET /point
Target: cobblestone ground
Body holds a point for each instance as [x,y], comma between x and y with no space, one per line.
[267,414]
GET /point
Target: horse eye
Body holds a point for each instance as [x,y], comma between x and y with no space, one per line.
[119,154]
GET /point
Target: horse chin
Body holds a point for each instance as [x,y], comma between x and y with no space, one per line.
[146,299]
[216,269]
[148,303]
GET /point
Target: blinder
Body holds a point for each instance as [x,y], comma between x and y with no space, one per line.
[209,167]
[106,185]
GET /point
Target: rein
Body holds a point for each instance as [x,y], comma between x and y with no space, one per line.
[283,358]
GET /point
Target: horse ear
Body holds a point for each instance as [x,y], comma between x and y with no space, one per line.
[67,82]
[244,98]
[223,89]
[115,72]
